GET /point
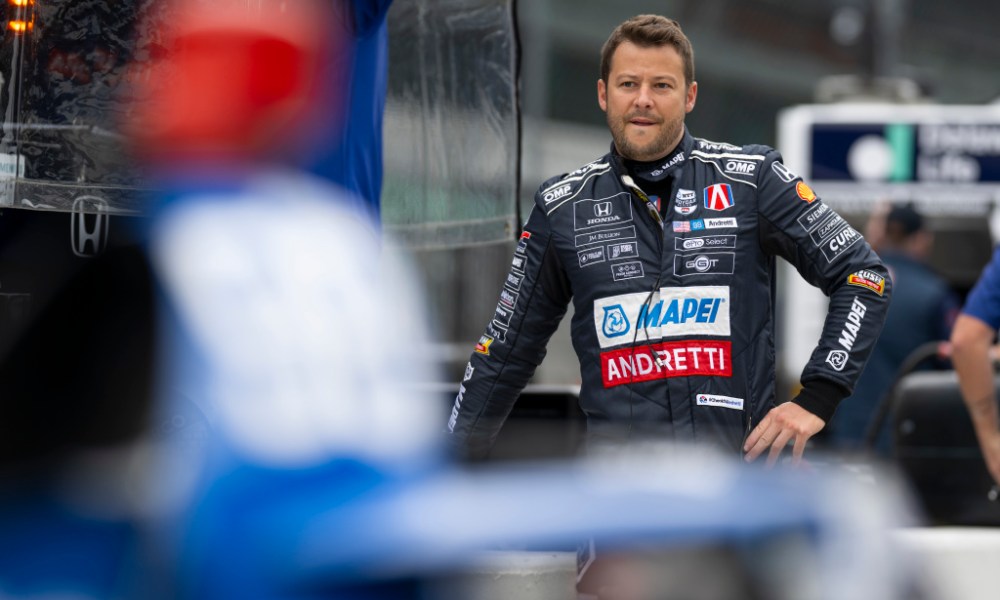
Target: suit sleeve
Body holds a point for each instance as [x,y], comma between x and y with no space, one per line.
[831,255]
[533,300]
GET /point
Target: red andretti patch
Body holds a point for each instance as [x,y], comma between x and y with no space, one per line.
[679,359]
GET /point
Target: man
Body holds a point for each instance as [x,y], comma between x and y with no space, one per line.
[923,310]
[971,341]
[667,245]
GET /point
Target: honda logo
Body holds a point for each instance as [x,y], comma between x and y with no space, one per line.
[602,209]
[89,224]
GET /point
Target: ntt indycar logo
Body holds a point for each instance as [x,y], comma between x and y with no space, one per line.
[666,360]
[669,312]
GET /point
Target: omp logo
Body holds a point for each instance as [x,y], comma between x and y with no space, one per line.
[553,195]
[89,226]
[670,312]
[740,167]
[602,209]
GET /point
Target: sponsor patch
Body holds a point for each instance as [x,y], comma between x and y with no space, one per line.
[669,312]
[867,279]
[836,246]
[852,326]
[508,298]
[518,263]
[719,223]
[703,243]
[514,280]
[681,226]
[685,202]
[676,159]
[496,332]
[591,256]
[623,250]
[665,360]
[782,172]
[710,263]
[483,346]
[719,401]
[814,217]
[453,420]
[502,315]
[837,359]
[718,196]
[553,194]
[614,210]
[469,370]
[716,146]
[805,192]
[831,225]
[740,167]
[605,235]
[627,270]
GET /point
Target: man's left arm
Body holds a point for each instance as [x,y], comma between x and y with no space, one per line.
[831,255]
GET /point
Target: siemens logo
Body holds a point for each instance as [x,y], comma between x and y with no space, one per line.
[670,312]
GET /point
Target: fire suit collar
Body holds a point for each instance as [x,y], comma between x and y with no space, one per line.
[658,170]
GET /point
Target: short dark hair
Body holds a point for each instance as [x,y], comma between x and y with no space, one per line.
[648,31]
[903,221]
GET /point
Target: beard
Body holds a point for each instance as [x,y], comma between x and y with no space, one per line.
[656,148]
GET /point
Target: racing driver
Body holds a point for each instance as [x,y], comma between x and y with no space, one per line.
[666,246]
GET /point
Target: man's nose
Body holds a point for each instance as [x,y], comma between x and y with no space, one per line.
[644,98]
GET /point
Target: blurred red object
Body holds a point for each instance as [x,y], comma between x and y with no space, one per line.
[233,81]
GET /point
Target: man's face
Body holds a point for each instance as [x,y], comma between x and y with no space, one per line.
[645,99]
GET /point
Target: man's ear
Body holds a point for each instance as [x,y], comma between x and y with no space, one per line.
[692,96]
[602,95]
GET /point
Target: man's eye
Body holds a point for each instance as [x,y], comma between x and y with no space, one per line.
[628,84]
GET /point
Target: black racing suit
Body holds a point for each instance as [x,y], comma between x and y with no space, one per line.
[674,306]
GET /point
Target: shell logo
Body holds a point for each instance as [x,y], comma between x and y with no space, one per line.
[805,192]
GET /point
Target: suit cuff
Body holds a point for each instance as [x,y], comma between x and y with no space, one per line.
[821,397]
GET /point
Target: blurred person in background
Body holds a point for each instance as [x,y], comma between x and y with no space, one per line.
[351,154]
[293,329]
[973,355]
[667,247]
[923,310]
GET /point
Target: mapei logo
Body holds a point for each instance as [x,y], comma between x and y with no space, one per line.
[89,226]
[615,321]
[670,312]
[718,196]
[740,167]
